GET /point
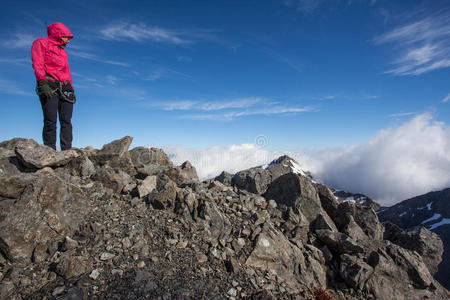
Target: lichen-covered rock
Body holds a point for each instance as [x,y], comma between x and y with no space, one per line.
[47,208]
[38,156]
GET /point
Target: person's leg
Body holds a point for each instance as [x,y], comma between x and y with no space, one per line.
[65,119]
[50,110]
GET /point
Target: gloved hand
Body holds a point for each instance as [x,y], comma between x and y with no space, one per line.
[44,89]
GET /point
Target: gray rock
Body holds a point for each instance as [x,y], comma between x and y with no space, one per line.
[339,242]
[217,226]
[116,148]
[115,180]
[107,256]
[224,178]
[165,194]
[297,192]
[47,209]
[419,239]
[147,186]
[69,244]
[354,271]
[254,180]
[365,217]
[182,175]
[13,186]
[38,156]
[327,199]
[144,157]
[71,267]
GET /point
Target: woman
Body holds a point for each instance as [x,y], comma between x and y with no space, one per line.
[54,84]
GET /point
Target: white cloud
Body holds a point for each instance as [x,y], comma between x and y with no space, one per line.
[226,110]
[94,57]
[395,164]
[12,88]
[423,45]
[140,32]
[403,114]
[16,61]
[229,116]
[20,40]
[446,99]
[206,105]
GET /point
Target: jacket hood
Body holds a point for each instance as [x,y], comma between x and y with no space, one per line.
[57,30]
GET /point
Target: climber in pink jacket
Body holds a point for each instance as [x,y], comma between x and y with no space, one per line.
[54,84]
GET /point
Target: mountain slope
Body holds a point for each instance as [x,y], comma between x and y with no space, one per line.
[431,210]
[116,223]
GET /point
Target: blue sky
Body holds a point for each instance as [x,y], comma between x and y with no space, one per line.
[357,91]
[302,73]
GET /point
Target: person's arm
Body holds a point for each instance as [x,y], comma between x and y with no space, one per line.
[38,59]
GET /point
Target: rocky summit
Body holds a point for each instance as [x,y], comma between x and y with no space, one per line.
[115,223]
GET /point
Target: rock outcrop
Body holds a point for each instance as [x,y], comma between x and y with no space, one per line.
[116,223]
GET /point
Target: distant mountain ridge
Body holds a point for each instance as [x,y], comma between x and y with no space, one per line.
[431,210]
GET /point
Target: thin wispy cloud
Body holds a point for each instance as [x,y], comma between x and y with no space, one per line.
[12,88]
[446,99]
[141,32]
[23,61]
[309,6]
[164,73]
[422,45]
[206,105]
[402,114]
[305,6]
[94,57]
[229,116]
[20,40]
[227,110]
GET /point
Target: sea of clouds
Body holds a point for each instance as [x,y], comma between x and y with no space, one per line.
[395,164]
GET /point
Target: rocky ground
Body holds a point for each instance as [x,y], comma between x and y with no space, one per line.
[116,223]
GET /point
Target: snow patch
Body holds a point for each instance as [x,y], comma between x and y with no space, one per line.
[429,205]
[350,199]
[444,221]
[402,214]
[434,217]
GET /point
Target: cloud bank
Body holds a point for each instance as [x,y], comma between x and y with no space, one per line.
[394,165]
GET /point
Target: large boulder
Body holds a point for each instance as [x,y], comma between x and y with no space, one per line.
[254,180]
[274,253]
[163,195]
[365,217]
[146,159]
[298,192]
[182,175]
[47,209]
[419,239]
[36,156]
[115,149]
[217,225]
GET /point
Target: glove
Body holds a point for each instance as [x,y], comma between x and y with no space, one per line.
[44,89]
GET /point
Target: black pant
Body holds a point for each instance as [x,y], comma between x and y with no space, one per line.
[51,107]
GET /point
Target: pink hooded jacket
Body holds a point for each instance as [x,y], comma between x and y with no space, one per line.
[48,55]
